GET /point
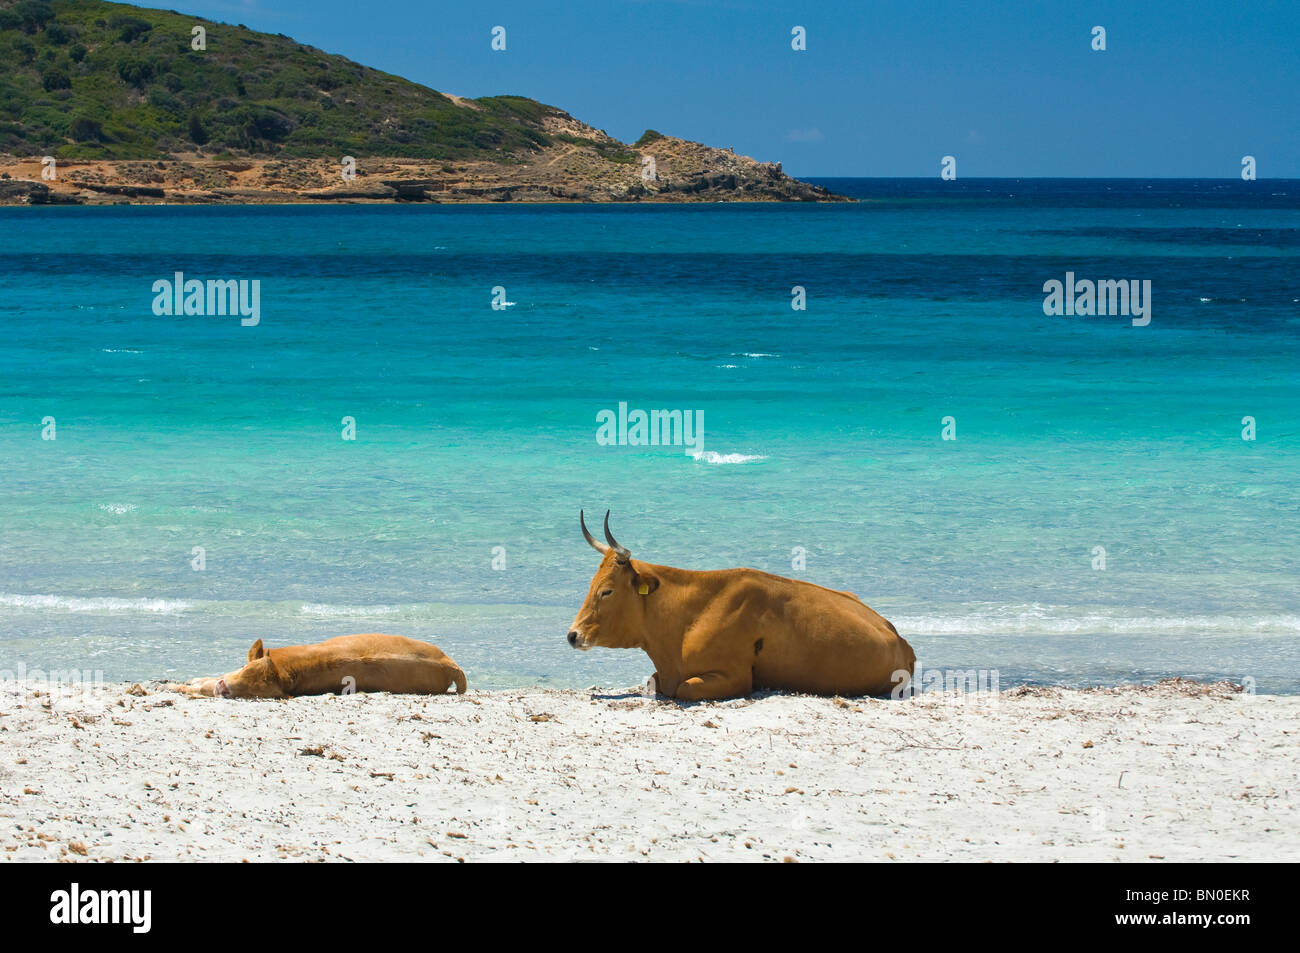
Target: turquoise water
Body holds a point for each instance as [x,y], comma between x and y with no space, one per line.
[476,428]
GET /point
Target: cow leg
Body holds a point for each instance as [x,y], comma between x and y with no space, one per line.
[715,685]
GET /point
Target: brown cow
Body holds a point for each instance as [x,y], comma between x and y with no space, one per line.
[362,663]
[726,633]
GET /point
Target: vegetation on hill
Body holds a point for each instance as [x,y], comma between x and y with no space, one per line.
[90,79]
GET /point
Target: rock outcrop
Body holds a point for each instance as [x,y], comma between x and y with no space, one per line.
[581,164]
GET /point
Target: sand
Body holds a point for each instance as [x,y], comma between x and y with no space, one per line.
[1175,772]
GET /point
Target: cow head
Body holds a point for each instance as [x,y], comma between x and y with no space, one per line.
[614,613]
[258,679]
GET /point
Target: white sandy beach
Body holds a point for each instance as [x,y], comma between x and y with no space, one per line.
[1176,772]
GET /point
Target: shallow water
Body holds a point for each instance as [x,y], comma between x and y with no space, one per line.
[476,428]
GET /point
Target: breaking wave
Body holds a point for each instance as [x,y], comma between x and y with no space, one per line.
[1064,620]
[712,456]
[92,604]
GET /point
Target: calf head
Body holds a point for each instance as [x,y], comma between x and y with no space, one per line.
[258,679]
[614,613]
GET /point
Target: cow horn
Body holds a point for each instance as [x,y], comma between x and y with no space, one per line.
[620,551]
[598,547]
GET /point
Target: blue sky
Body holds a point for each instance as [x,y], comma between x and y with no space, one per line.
[885,87]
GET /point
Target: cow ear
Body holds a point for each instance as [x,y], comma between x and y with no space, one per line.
[645,583]
[256,652]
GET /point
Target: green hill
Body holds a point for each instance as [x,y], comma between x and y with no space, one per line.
[87,79]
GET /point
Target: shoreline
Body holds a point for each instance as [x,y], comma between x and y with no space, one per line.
[466,203]
[1178,771]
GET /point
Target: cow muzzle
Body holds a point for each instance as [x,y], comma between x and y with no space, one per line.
[577,640]
[221,689]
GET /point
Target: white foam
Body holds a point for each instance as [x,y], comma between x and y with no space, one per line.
[117,508]
[93,604]
[325,610]
[712,456]
[1063,620]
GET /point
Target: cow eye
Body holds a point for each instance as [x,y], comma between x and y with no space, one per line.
[606,593]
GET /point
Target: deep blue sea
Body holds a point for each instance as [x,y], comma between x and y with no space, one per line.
[823,452]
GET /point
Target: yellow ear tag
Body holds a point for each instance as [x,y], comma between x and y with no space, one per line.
[645,589]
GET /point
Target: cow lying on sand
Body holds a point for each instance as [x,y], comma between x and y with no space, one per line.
[362,663]
[723,634]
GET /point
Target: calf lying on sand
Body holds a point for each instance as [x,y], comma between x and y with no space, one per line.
[361,663]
